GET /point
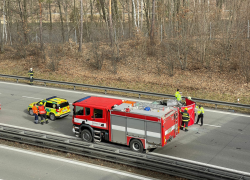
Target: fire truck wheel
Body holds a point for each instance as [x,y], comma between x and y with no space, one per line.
[86,135]
[31,112]
[136,145]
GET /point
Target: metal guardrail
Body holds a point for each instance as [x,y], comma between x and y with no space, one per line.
[127,91]
[169,165]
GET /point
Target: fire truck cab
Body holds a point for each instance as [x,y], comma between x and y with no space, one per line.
[141,126]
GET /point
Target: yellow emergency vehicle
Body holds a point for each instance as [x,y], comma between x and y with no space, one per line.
[55,107]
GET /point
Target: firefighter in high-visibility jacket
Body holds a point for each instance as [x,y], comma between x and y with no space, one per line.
[185,119]
[42,113]
[31,74]
[178,95]
[200,114]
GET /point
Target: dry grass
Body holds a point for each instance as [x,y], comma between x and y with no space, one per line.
[135,70]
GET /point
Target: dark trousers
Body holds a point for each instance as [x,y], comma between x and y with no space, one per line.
[200,116]
[184,123]
[36,118]
[31,79]
[43,116]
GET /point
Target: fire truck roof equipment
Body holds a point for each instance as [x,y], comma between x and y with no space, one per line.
[155,110]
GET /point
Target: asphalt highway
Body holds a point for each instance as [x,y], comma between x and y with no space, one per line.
[28,165]
[223,140]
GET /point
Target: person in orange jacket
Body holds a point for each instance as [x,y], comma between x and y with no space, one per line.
[42,113]
[35,112]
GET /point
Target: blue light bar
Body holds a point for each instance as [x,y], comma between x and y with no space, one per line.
[80,100]
[51,97]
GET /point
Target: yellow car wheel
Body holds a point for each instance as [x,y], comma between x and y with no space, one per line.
[31,112]
[52,117]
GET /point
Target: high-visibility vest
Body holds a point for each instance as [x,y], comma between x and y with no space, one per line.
[176,94]
[200,110]
[178,98]
[185,116]
[35,111]
[31,73]
[41,110]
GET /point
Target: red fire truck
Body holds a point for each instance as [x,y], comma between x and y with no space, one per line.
[138,125]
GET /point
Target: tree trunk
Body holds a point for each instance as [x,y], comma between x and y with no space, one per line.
[141,14]
[91,10]
[67,18]
[2,39]
[134,13]
[103,9]
[152,24]
[110,24]
[146,9]
[23,20]
[2,48]
[41,26]
[138,14]
[61,17]
[81,30]
[50,20]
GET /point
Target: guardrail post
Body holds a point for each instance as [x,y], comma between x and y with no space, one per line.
[215,106]
[105,91]
[74,88]
[139,96]
[16,80]
[44,83]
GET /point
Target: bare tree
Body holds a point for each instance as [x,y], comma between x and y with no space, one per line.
[152,24]
[66,6]
[24,18]
[61,18]
[2,37]
[50,19]
[110,23]
[134,12]
[41,26]
[81,29]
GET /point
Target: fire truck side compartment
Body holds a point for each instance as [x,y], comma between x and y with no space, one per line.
[122,126]
[153,132]
[118,129]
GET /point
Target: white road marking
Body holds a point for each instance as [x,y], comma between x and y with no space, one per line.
[45,132]
[235,114]
[78,163]
[31,97]
[202,164]
[211,125]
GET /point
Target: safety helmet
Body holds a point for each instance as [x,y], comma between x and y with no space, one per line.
[40,103]
[31,69]
[186,109]
[189,97]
